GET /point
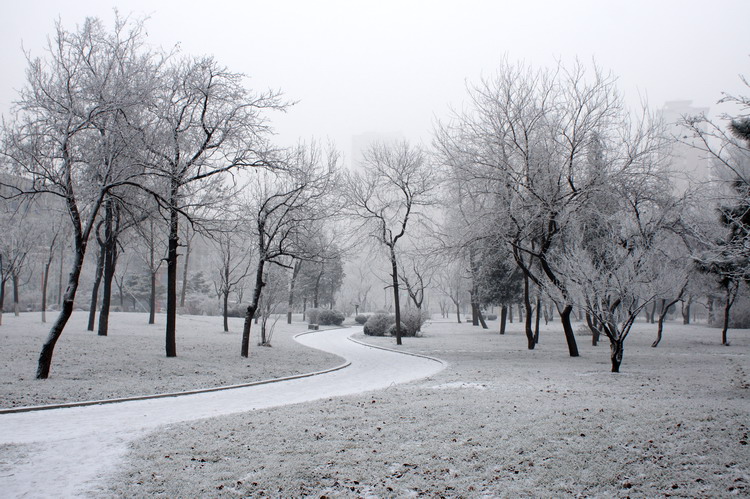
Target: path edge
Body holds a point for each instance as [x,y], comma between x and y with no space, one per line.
[84,403]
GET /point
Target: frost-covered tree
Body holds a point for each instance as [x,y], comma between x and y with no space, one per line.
[69,129]
[282,211]
[529,145]
[388,194]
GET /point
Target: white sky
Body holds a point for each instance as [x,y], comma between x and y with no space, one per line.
[394,66]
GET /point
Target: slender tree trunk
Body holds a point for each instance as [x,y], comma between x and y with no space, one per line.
[252,308]
[172,244]
[731,294]
[710,307]
[663,315]
[95,289]
[45,280]
[510,313]
[568,329]
[396,304]
[503,317]
[45,357]
[2,298]
[536,325]
[225,295]
[16,305]
[593,327]
[183,291]
[110,261]
[292,281]
[60,277]
[151,299]
[686,310]
[651,314]
[317,285]
[528,317]
[458,311]
[546,314]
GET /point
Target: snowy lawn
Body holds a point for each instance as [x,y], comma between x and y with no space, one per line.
[131,360]
[499,421]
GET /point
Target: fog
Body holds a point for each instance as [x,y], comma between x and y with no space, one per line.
[394,67]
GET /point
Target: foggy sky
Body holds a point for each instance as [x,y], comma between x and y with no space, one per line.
[396,66]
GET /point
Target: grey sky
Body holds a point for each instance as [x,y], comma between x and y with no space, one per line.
[389,66]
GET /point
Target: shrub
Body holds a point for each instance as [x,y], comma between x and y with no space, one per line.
[491,317]
[360,319]
[404,330]
[327,317]
[378,324]
[312,315]
[411,321]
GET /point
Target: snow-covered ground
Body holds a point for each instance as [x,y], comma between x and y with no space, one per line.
[498,421]
[76,446]
[131,360]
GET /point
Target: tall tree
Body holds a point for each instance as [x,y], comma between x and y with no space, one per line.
[203,125]
[283,212]
[524,145]
[394,187]
[727,143]
[89,76]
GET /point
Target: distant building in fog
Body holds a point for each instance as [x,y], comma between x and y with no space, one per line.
[360,143]
[688,163]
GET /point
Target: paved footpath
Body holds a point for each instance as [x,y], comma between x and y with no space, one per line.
[67,452]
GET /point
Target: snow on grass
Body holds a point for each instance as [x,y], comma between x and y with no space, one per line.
[674,423]
[131,359]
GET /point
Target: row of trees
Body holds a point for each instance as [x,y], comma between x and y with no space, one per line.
[544,189]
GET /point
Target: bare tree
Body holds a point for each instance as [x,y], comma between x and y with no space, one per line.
[282,214]
[234,259]
[727,145]
[204,125]
[391,191]
[528,145]
[154,243]
[89,77]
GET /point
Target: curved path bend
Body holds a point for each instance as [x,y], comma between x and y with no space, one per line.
[68,450]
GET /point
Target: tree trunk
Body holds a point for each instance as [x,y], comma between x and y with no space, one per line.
[510,313]
[503,317]
[2,298]
[225,295]
[396,304]
[16,305]
[568,329]
[252,308]
[45,357]
[593,327]
[183,291]
[60,276]
[172,244]
[662,316]
[480,316]
[731,294]
[710,307]
[528,316]
[686,310]
[151,299]
[546,314]
[536,325]
[292,281]
[616,350]
[110,261]
[650,313]
[458,311]
[45,280]
[95,289]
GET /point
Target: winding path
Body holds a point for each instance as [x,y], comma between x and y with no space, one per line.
[67,451]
